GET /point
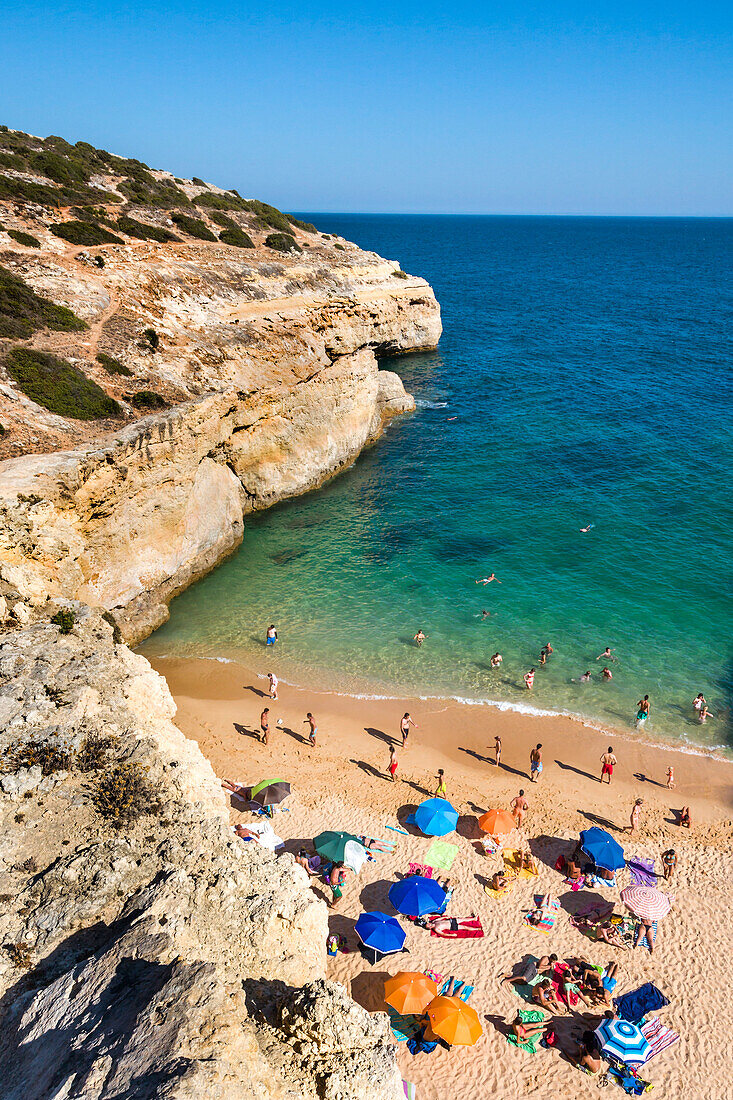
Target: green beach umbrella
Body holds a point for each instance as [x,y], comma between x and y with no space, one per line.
[341,848]
[270,792]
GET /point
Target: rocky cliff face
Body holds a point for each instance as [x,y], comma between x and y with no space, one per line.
[160,956]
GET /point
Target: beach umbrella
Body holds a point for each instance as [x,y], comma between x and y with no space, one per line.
[602,849]
[497,822]
[646,902]
[436,817]
[454,1021]
[409,992]
[341,848]
[380,932]
[623,1040]
[270,792]
[415,896]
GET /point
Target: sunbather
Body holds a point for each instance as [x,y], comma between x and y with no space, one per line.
[523,1031]
[499,881]
[608,933]
[530,970]
[237,789]
[544,995]
[440,924]
[569,982]
[588,1053]
[304,861]
[645,928]
[528,862]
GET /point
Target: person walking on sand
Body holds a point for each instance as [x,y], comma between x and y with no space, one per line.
[265,724]
[441,791]
[496,660]
[670,778]
[405,723]
[518,809]
[608,760]
[419,638]
[271,636]
[642,711]
[535,763]
[636,815]
[273,684]
[313,728]
[393,763]
[497,750]
[529,679]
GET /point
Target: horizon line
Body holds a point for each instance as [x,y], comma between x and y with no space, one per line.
[485,214]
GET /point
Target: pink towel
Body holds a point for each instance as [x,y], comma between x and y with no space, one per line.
[421,869]
[658,1036]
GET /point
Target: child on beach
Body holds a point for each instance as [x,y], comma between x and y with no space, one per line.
[392,766]
[273,684]
[313,727]
[670,778]
[441,791]
[636,814]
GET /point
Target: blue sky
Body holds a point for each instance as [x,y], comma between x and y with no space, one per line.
[609,108]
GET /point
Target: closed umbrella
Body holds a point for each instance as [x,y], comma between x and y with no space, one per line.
[497,822]
[602,849]
[341,848]
[646,902]
[380,932]
[409,992]
[436,817]
[454,1021]
[623,1040]
[415,896]
[270,792]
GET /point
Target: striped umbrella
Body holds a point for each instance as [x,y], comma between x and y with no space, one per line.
[623,1040]
[646,902]
[270,792]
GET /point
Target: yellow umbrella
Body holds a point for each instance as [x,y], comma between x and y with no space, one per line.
[497,822]
[409,992]
[455,1021]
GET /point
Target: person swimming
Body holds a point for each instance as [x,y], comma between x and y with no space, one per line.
[585,530]
[488,580]
[496,660]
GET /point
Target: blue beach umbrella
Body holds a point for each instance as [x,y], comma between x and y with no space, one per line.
[436,817]
[623,1040]
[415,896]
[380,932]
[602,849]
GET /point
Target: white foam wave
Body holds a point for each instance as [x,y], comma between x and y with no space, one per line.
[421,403]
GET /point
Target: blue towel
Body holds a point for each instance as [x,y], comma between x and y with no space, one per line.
[635,1005]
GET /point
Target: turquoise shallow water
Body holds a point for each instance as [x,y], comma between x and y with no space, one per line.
[584,376]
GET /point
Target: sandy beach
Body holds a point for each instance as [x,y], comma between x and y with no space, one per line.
[343,784]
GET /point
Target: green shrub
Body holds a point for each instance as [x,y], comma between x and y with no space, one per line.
[94,752]
[326,236]
[23,312]
[340,247]
[60,169]
[212,201]
[307,227]
[143,231]
[282,242]
[198,182]
[399,274]
[64,620]
[147,399]
[112,365]
[86,233]
[237,237]
[46,195]
[152,338]
[50,756]
[125,793]
[57,385]
[24,238]
[145,190]
[194,227]
[269,215]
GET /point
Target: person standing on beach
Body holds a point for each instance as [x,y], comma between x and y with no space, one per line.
[636,815]
[497,750]
[441,791]
[393,763]
[271,636]
[405,723]
[608,760]
[669,863]
[670,778]
[313,728]
[419,638]
[642,711]
[535,763]
[273,684]
[529,679]
[519,808]
[496,660]
[265,724]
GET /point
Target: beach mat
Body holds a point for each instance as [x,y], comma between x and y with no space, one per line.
[658,1036]
[403,1027]
[529,1016]
[468,930]
[440,855]
[410,1090]
[513,862]
[502,893]
[460,989]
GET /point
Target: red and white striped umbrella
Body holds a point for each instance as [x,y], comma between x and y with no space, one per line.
[646,902]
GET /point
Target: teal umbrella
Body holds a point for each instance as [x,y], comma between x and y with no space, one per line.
[341,848]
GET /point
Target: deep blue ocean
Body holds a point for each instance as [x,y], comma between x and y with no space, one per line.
[584,377]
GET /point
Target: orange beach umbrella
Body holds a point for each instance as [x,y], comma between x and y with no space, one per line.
[497,822]
[455,1021]
[409,992]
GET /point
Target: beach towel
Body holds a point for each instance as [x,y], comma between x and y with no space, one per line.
[642,871]
[403,1027]
[465,930]
[643,942]
[460,989]
[410,1090]
[529,1016]
[513,862]
[658,1036]
[489,845]
[434,976]
[441,854]
[500,893]
[374,844]
[547,917]
[595,880]
[635,1005]
[420,869]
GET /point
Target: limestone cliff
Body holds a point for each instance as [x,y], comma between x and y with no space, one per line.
[163,957]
